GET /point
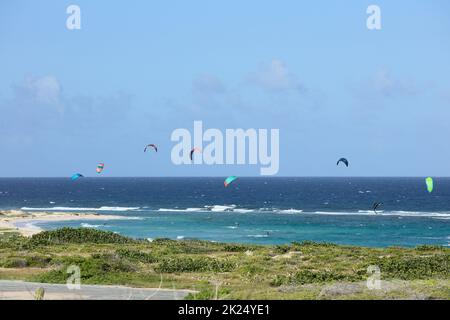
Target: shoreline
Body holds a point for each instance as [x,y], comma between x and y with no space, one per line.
[24,222]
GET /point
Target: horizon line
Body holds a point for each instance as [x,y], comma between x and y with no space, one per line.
[221,176]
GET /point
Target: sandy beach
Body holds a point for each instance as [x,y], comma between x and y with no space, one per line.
[24,222]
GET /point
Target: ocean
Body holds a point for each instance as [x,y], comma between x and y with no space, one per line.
[260,210]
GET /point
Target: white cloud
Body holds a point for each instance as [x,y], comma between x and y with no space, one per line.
[275,76]
[39,107]
[207,84]
[208,91]
[46,89]
[384,83]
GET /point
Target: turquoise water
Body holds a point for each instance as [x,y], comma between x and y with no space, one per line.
[251,210]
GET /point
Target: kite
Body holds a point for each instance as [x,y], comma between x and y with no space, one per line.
[229,180]
[429,182]
[151,145]
[100,167]
[76,176]
[192,152]
[343,160]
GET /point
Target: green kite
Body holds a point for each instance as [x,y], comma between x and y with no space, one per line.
[429,182]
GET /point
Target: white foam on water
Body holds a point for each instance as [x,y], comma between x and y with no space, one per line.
[243,210]
[213,208]
[220,208]
[232,208]
[441,215]
[81,209]
[290,211]
[334,213]
[181,210]
[90,226]
[419,214]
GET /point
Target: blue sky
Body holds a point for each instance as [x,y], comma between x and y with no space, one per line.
[138,70]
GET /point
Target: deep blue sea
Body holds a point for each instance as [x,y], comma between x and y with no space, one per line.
[251,210]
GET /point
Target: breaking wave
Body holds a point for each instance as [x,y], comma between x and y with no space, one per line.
[90,226]
[121,209]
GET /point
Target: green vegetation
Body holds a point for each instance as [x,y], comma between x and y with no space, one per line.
[190,264]
[39,294]
[81,236]
[305,270]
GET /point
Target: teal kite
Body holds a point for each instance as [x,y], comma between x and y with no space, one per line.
[229,180]
[76,176]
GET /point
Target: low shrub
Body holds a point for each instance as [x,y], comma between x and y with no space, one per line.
[38,261]
[14,263]
[282,248]
[427,247]
[307,276]
[77,235]
[237,248]
[314,244]
[12,240]
[197,264]
[408,268]
[136,255]
[94,269]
